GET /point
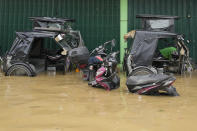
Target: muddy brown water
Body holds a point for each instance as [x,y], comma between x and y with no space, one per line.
[66,103]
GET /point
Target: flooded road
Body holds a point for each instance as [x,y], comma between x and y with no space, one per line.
[66,103]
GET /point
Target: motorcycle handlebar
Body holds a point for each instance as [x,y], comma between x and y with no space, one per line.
[111,41]
[112,55]
[103,46]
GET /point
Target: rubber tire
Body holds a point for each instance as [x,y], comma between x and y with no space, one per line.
[140,69]
[14,67]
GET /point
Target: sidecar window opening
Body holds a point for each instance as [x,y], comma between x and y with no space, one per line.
[40,46]
[36,48]
[51,44]
[165,43]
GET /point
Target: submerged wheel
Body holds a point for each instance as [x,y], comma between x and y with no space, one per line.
[91,75]
[18,70]
[141,71]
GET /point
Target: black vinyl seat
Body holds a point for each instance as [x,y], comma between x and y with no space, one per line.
[146,79]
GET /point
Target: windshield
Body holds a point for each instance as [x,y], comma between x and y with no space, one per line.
[159,24]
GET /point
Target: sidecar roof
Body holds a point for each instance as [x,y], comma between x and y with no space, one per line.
[37,34]
[52,19]
[149,16]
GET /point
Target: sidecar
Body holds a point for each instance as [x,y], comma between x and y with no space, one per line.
[30,55]
[143,53]
[156,48]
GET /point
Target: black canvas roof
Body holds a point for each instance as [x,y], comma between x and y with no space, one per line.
[52,19]
[156,16]
[21,49]
[37,34]
[145,44]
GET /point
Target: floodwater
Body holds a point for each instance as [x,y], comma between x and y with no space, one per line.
[66,103]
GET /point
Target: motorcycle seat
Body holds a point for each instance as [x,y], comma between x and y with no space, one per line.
[146,79]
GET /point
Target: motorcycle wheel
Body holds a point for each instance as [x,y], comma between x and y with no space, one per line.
[141,71]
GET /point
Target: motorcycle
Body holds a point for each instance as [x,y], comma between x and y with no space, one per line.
[95,60]
[106,76]
[152,84]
